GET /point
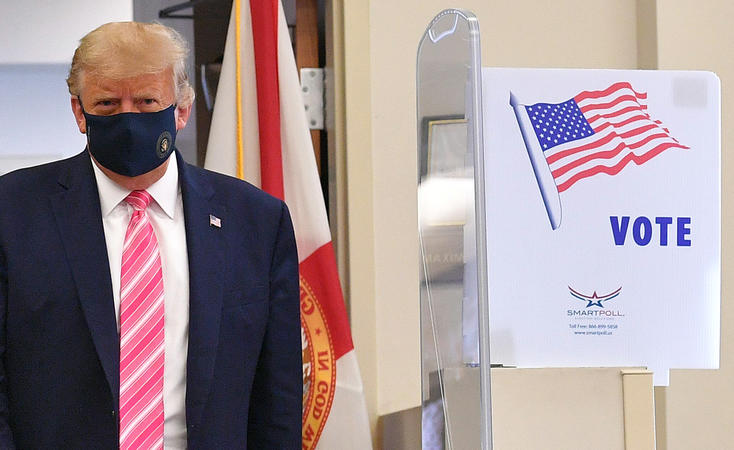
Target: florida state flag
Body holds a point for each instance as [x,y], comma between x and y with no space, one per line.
[259,133]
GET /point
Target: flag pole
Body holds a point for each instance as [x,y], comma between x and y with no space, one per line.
[546,183]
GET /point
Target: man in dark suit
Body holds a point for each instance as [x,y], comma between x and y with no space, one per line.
[221,253]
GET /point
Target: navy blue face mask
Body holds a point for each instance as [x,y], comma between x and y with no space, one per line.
[132,144]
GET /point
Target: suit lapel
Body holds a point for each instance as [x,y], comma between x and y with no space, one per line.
[206,252]
[79,218]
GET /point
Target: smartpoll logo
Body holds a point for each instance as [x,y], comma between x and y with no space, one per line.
[595,319]
[594,304]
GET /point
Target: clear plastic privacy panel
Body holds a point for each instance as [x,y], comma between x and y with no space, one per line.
[453,275]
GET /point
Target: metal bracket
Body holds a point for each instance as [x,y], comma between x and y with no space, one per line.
[312,89]
[169,13]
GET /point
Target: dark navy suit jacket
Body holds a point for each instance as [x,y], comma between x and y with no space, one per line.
[59,348]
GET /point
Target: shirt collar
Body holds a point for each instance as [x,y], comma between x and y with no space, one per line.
[164,191]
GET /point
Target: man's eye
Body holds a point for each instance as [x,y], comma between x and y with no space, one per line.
[149,101]
[105,103]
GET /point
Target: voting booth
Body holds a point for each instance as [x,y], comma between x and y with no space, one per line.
[569,226]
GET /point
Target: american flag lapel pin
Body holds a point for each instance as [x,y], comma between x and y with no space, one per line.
[215,221]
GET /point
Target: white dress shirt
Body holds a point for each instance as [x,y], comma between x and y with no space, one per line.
[167,217]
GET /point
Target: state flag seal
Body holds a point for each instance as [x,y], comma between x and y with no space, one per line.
[319,366]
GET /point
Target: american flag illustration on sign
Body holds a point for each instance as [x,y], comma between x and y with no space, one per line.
[594,132]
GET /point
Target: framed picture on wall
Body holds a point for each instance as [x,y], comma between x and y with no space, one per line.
[444,146]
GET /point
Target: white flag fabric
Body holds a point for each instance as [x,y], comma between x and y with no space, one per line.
[259,133]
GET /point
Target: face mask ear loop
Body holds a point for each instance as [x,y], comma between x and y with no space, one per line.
[87,125]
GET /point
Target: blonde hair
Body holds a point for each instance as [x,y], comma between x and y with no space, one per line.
[127,49]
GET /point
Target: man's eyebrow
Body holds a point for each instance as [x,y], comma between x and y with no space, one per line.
[104,89]
[148,94]
[104,97]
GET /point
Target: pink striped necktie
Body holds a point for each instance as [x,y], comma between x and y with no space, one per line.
[141,332]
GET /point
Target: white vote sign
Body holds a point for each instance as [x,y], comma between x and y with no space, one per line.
[603,217]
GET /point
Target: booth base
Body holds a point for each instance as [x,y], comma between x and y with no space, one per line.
[562,408]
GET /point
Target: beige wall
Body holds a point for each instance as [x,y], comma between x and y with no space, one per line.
[699,411]
[379,148]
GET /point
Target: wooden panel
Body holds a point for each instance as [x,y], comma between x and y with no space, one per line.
[307,52]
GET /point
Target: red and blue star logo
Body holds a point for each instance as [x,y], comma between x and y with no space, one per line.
[594,299]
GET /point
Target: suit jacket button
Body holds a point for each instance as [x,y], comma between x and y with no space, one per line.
[113,413]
